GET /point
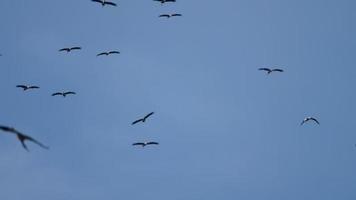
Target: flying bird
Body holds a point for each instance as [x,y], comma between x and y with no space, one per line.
[308,119]
[22,137]
[268,70]
[171,15]
[103,2]
[164,1]
[27,87]
[70,49]
[143,119]
[64,94]
[143,144]
[108,53]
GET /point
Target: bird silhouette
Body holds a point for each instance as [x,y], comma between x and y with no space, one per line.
[170,15]
[103,2]
[64,94]
[70,49]
[22,137]
[308,119]
[143,144]
[27,87]
[165,1]
[143,119]
[268,70]
[108,53]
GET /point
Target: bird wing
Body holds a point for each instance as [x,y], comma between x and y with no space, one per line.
[57,93]
[21,86]
[148,115]
[265,69]
[135,122]
[75,48]
[177,15]
[110,3]
[304,120]
[315,120]
[69,93]
[8,129]
[138,143]
[170,0]
[38,143]
[97,1]
[114,52]
[277,70]
[164,15]
[156,143]
[33,87]
[64,49]
[100,54]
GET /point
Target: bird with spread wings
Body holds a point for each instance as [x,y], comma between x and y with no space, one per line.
[103,2]
[108,53]
[143,144]
[309,119]
[171,15]
[70,49]
[64,94]
[27,87]
[268,70]
[143,119]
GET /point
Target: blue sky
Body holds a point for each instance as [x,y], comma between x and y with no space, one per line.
[226,130]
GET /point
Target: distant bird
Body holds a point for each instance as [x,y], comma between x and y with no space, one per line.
[143,144]
[164,1]
[308,119]
[108,53]
[268,70]
[27,87]
[70,49]
[171,15]
[64,94]
[143,119]
[103,2]
[22,137]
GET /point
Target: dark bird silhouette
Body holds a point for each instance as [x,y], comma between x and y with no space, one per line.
[308,119]
[108,53]
[103,2]
[143,144]
[22,137]
[171,15]
[64,94]
[70,49]
[165,1]
[143,119]
[27,87]
[268,70]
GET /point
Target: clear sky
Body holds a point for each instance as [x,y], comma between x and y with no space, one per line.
[226,130]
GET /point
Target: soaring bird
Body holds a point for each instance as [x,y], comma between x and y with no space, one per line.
[164,1]
[27,87]
[70,49]
[108,53]
[143,144]
[143,119]
[103,2]
[64,94]
[308,119]
[268,70]
[171,15]
[22,137]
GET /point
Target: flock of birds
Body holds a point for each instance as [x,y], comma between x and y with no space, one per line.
[23,137]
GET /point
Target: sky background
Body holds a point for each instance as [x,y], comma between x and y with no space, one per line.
[226,130]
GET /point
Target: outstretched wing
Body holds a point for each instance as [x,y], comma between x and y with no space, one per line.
[277,70]
[22,86]
[33,87]
[114,52]
[315,120]
[57,93]
[97,1]
[75,48]
[265,69]
[135,122]
[150,143]
[170,0]
[8,129]
[65,49]
[177,15]
[100,54]
[66,93]
[164,15]
[26,137]
[148,115]
[138,143]
[110,3]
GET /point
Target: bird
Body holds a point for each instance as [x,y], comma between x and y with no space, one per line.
[268,70]
[64,94]
[103,2]
[108,53]
[164,1]
[143,144]
[143,119]
[170,15]
[308,119]
[70,49]
[27,87]
[22,137]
